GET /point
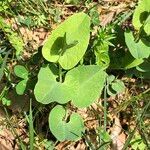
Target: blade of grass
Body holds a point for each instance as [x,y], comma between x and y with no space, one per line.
[31,129]
[23,147]
[137,124]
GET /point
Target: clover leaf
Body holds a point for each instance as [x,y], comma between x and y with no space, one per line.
[21,72]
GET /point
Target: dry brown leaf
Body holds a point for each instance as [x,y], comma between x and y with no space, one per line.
[117,136]
[106,19]
[6,140]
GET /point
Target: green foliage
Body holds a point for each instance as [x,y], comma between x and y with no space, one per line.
[74,71]
[141,16]
[1,60]
[62,130]
[21,72]
[114,86]
[82,85]
[101,48]
[49,145]
[137,143]
[94,16]
[132,62]
[15,40]
[68,42]
[137,49]
[104,136]
[4,4]
[72,1]
[145,66]
[6,102]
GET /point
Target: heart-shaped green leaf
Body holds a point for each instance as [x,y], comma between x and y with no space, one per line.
[141,16]
[82,85]
[138,50]
[68,42]
[63,130]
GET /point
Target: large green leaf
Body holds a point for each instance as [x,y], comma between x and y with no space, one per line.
[82,85]
[63,130]
[68,42]
[87,82]
[138,49]
[141,16]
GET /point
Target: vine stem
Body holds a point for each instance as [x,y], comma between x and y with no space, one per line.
[105,106]
[60,73]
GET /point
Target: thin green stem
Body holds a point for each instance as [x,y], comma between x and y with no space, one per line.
[60,73]
[31,129]
[105,106]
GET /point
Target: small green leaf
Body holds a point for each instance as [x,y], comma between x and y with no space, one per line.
[6,101]
[104,135]
[110,91]
[20,87]
[118,86]
[138,50]
[110,79]
[63,130]
[21,71]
